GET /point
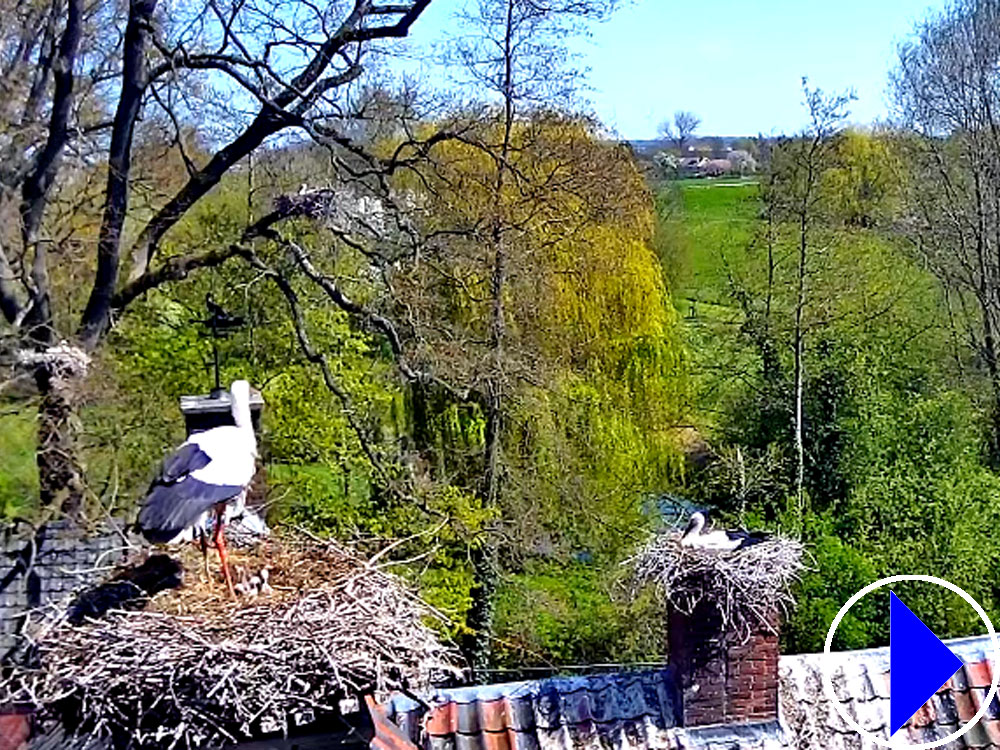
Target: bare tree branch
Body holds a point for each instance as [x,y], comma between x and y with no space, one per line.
[37,185]
[134,77]
[274,118]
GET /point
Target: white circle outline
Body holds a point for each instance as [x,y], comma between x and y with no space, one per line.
[828,681]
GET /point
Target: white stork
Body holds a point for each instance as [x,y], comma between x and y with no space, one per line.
[731,539]
[208,474]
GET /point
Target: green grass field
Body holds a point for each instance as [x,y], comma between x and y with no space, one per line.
[18,477]
[718,223]
[705,228]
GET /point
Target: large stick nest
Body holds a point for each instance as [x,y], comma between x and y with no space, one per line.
[747,587]
[197,669]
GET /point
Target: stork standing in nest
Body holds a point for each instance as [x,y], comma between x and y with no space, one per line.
[724,540]
[206,476]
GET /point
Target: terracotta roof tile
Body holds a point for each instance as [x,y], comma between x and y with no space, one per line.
[977,737]
[992,728]
[926,716]
[966,703]
[978,674]
[624,711]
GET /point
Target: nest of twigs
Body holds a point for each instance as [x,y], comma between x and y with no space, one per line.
[197,669]
[746,587]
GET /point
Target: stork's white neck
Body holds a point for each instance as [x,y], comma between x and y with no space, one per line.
[239,393]
[241,416]
[695,526]
[244,423]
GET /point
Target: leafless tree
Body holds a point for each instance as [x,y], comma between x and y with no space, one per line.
[794,216]
[75,100]
[809,158]
[947,91]
[681,129]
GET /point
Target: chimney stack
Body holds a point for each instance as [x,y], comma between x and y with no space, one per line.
[721,676]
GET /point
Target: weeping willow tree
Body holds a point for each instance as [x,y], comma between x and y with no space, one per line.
[590,365]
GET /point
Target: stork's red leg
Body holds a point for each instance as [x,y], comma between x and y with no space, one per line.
[220,543]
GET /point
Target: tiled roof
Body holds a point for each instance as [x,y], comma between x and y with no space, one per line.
[636,710]
[599,712]
[48,565]
[861,681]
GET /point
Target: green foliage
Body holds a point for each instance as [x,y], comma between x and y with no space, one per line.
[837,572]
[671,240]
[864,189]
[922,501]
[895,473]
[574,617]
[18,475]
[320,497]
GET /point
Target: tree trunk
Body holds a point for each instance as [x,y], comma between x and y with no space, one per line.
[800,453]
[60,475]
[96,316]
[486,559]
[478,645]
[989,352]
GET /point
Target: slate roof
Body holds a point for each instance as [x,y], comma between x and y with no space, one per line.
[48,565]
[622,711]
[861,681]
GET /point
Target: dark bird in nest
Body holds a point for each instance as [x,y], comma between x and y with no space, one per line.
[726,540]
[129,589]
[208,475]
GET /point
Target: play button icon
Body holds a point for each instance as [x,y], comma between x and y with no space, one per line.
[919,663]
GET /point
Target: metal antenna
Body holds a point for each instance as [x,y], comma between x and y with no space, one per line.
[220,323]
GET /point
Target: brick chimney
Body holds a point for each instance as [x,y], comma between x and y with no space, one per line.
[722,678]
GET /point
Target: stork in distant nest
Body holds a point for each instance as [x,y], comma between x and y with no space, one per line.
[207,475]
[729,540]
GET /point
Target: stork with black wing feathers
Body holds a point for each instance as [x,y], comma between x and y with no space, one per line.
[208,475]
[728,540]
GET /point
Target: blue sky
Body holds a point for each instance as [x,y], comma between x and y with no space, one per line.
[737,63]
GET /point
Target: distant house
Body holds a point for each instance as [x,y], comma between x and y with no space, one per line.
[692,166]
[717,167]
[738,163]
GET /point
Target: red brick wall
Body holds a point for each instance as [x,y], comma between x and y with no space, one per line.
[720,678]
[14,731]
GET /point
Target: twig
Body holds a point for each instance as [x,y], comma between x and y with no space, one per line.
[747,586]
[211,669]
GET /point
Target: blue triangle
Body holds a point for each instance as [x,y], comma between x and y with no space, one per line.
[919,664]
